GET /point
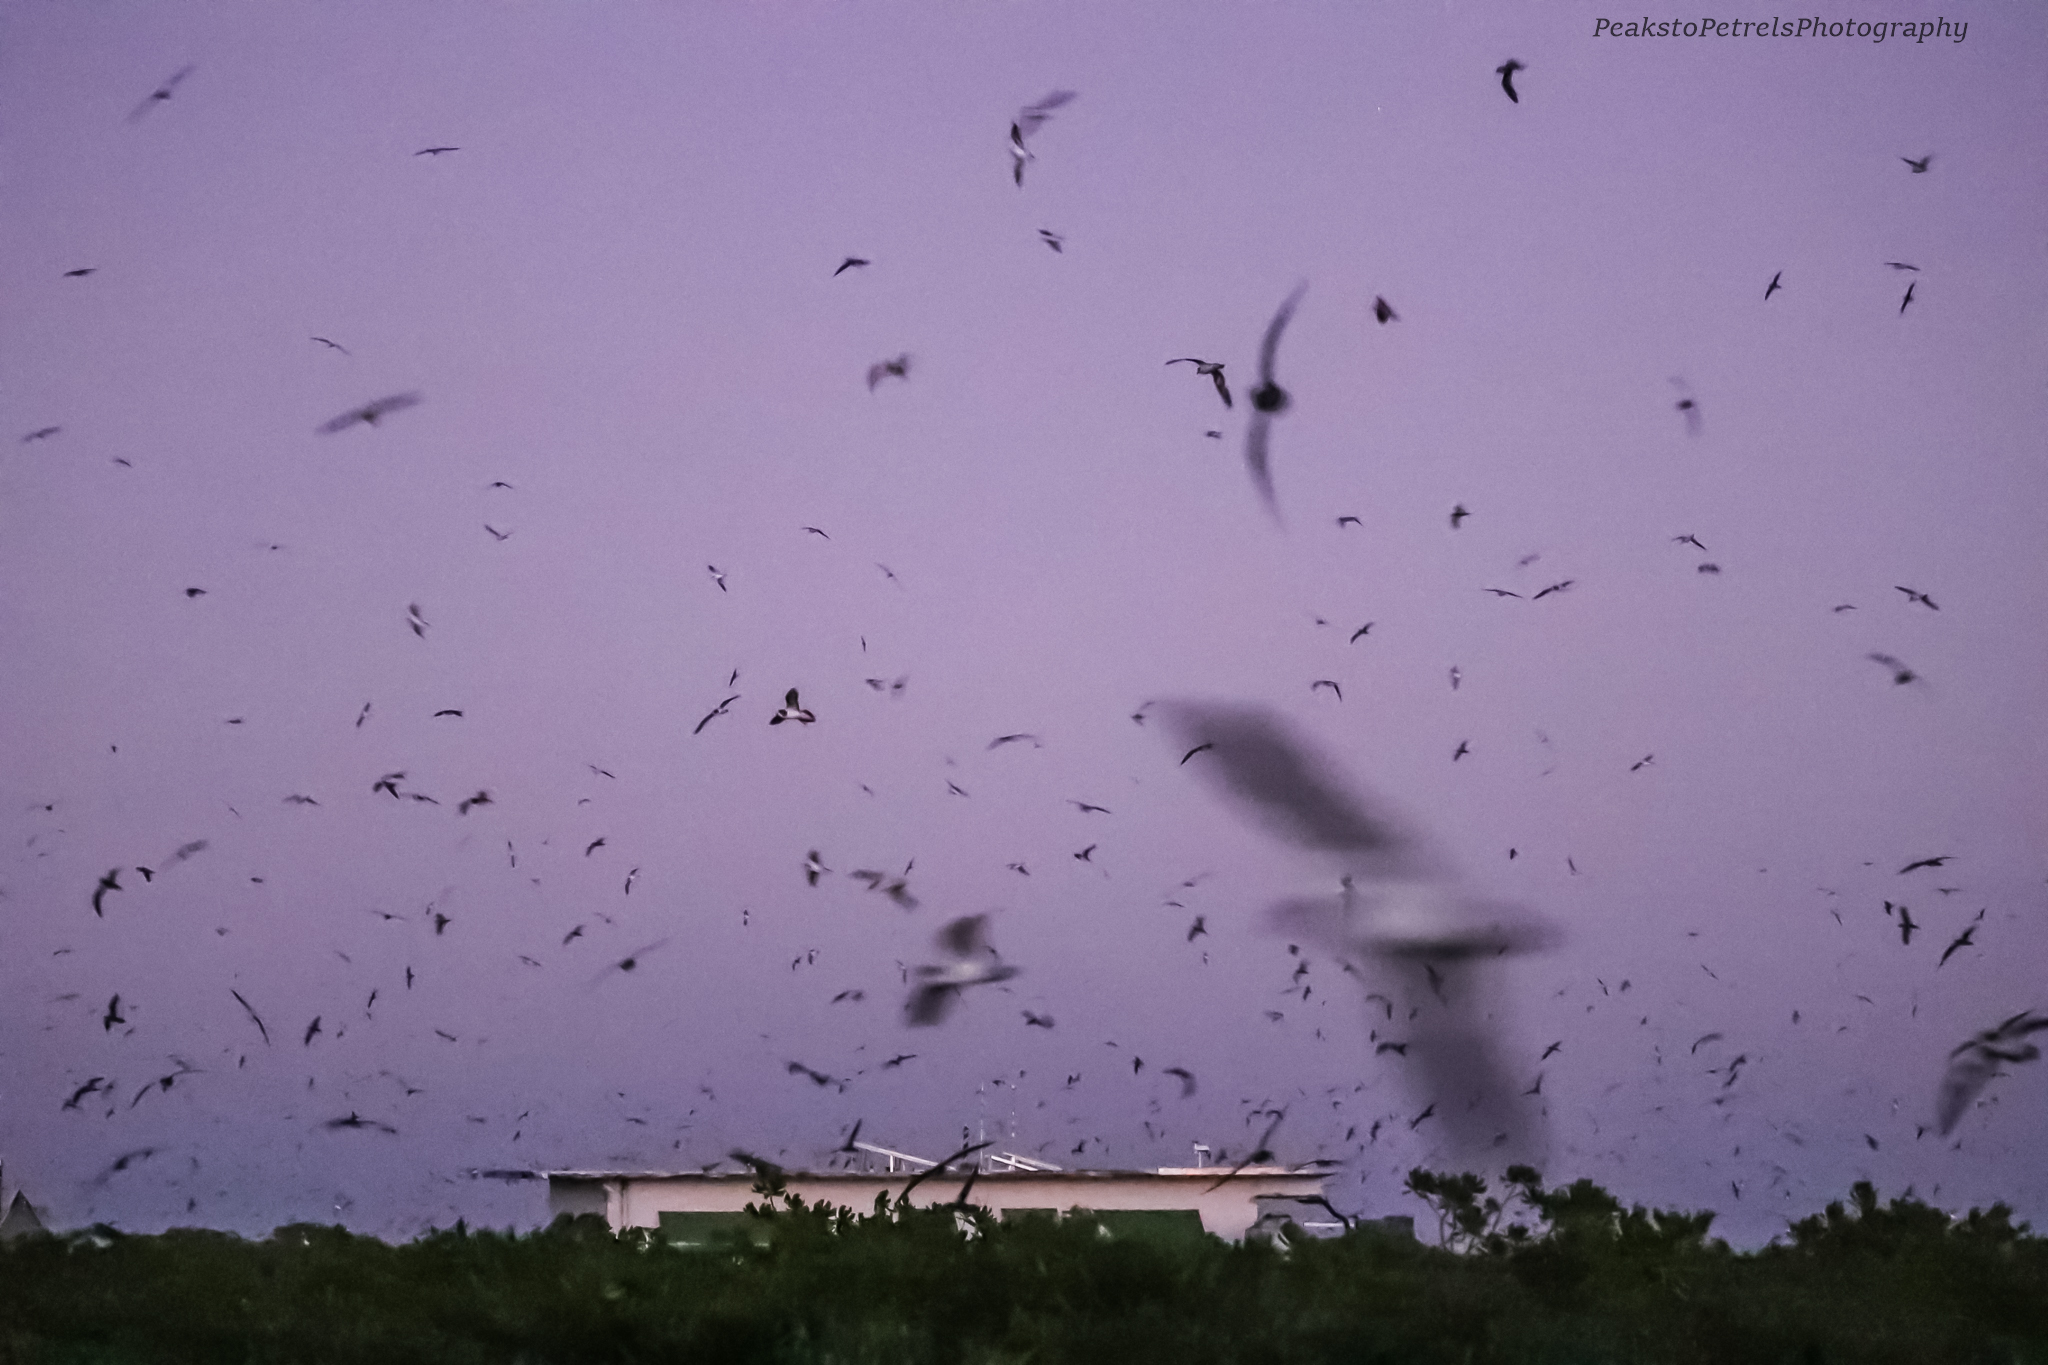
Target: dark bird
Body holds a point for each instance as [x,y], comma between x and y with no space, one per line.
[1773,287]
[1268,400]
[88,1088]
[482,798]
[1199,748]
[112,1016]
[1000,740]
[1085,808]
[161,93]
[41,434]
[1464,747]
[1326,682]
[1963,940]
[1085,855]
[1901,675]
[448,711]
[1198,928]
[572,935]
[1906,924]
[417,619]
[388,783]
[496,534]
[850,263]
[882,369]
[1909,297]
[1705,1038]
[436,151]
[715,713]
[792,710]
[110,882]
[297,800]
[1399,1048]
[1211,368]
[1922,598]
[1028,121]
[441,923]
[1642,762]
[594,846]
[370,413]
[1365,629]
[1416,1122]
[813,867]
[815,531]
[1925,862]
[311,1029]
[1458,514]
[1920,166]
[353,1120]
[1456,675]
[80,273]
[1032,1020]
[1901,265]
[1384,311]
[362,716]
[254,1017]
[1052,239]
[1691,410]
[1261,1151]
[899,1059]
[1554,587]
[1187,1079]
[817,1078]
[1552,1048]
[1973,1064]
[1501,592]
[1506,71]
[716,576]
[1690,539]
[631,961]
[973,963]
[332,345]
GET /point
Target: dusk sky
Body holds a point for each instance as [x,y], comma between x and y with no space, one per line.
[640,380]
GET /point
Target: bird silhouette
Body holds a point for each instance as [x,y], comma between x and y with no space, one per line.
[112,1016]
[973,963]
[792,710]
[715,713]
[1268,401]
[1901,675]
[1384,311]
[1973,1064]
[1506,71]
[882,369]
[850,263]
[1963,940]
[1909,297]
[1925,862]
[1773,287]
[1458,514]
[110,882]
[370,413]
[1052,239]
[1211,368]
[1922,598]
[161,93]
[1920,166]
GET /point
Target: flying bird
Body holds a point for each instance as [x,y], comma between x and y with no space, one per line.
[791,710]
[482,798]
[882,369]
[1901,675]
[1506,71]
[161,93]
[1085,808]
[1187,1079]
[1211,368]
[1554,587]
[311,1029]
[95,1084]
[112,1016]
[630,961]
[1690,539]
[1901,265]
[1458,514]
[110,882]
[355,1121]
[1384,311]
[1028,121]
[436,151]
[1973,1064]
[813,867]
[1400,903]
[1909,297]
[1925,862]
[1000,740]
[1906,924]
[1922,598]
[1963,940]
[416,619]
[80,273]
[715,713]
[850,263]
[812,530]
[1052,239]
[1920,166]
[1032,1020]
[496,534]
[1198,928]
[718,577]
[1329,683]
[1773,287]
[1464,747]
[41,434]
[1199,748]
[1268,400]
[973,963]
[1501,592]
[370,413]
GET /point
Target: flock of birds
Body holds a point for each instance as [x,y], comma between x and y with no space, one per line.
[1397,909]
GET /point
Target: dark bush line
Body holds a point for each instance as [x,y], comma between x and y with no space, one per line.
[1530,1275]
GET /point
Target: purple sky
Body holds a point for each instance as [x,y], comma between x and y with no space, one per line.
[617,297]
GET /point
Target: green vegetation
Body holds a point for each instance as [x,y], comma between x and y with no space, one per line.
[1529,1274]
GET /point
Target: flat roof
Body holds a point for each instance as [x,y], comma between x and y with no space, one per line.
[1168,1172]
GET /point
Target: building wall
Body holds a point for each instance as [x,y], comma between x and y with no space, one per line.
[1226,1210]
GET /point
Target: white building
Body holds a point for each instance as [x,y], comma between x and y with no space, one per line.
[1171,1202]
